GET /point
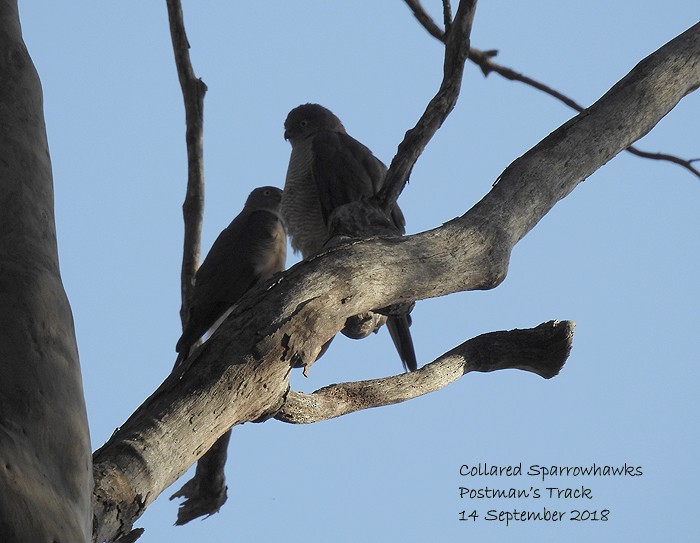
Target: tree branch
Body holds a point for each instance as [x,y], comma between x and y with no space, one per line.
[682,162]
[442,104]
[241,373]
[193,91]
[446,14]
[484,59]
[425,20]
[542,350]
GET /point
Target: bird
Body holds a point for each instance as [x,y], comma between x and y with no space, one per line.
[328,169]
[249,250]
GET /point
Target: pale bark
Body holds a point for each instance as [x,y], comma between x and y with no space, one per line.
[241,374]
[193,91]
[541,350]
[45,461]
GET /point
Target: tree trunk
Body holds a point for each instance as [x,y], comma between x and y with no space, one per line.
[45,462]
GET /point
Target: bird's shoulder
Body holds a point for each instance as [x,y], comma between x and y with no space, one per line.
[344,170]
[240,242]
[343,150]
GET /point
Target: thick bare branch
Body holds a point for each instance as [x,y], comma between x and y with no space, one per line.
[174,427]
[542,350]
[628,111]
[442,104]
[193,91]
[241,373]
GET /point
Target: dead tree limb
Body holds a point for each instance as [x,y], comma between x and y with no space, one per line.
[438,109]
[542,350]
[484,59]
[425,19]
[193,91]
[241,373]
[446,14]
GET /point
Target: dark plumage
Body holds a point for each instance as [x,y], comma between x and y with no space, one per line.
[328,169]
[249,250]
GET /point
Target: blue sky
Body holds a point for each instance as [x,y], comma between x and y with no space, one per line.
[618,256]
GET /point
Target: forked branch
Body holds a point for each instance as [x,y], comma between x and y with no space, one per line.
[484,59]
[442,104]
[242,373]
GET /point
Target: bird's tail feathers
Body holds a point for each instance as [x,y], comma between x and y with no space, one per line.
[398,326]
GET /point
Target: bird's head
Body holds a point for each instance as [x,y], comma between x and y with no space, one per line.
[308,119]
[267,198]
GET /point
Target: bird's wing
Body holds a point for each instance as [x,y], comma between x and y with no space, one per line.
[345,171]
[231,267]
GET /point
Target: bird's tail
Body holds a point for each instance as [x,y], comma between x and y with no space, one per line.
[398,326]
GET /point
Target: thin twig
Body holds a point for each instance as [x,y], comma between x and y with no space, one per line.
[193,90]
[484,59]
[687,164]
[425,20]
[446,14]
[442,104]
[542,350]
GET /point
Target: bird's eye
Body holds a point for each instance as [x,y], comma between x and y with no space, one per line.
[302,123]
[266,193]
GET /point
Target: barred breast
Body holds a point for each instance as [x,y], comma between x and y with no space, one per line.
[273,253]
[300,207]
